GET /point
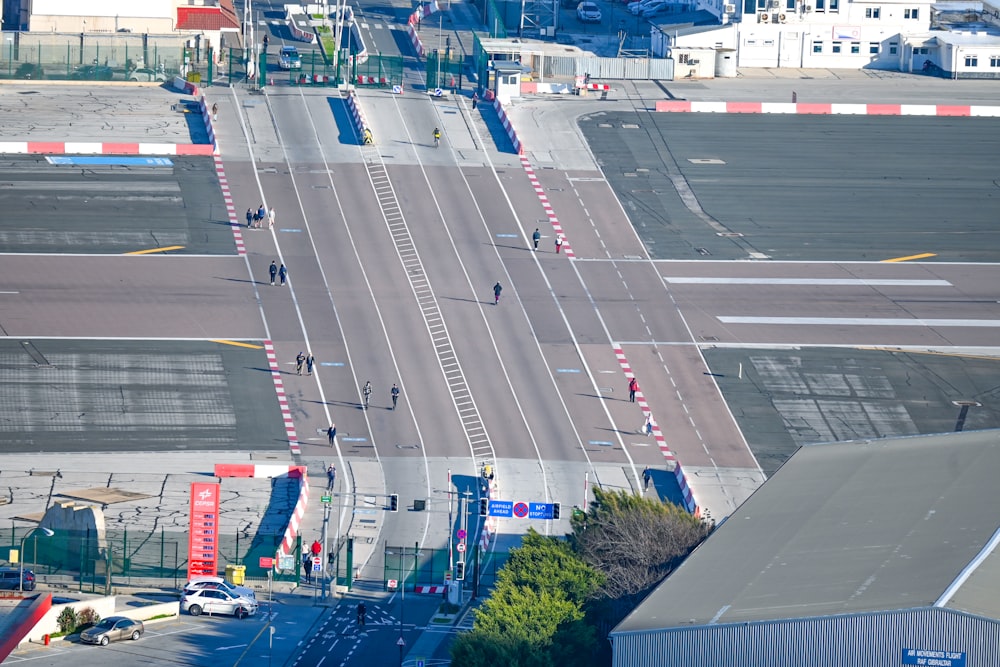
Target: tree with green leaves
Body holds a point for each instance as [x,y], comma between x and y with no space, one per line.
[535,615]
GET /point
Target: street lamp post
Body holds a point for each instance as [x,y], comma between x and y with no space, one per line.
[20,580]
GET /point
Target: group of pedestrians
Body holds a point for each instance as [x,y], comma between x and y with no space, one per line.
[256,218]
[366,393]
[307,360]
[276,272]
[537,236]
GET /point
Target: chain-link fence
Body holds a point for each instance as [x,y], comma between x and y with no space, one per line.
[375,70]
[444,69]
[118,57]
[429,567]
[96,561]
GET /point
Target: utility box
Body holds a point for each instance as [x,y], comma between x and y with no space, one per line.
[235,574]
[419,504]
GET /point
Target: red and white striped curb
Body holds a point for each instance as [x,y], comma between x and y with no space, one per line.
[227,197]
[508,126]
[101,148]
[596,86]
[549,211]
[295,520]
[430,589]
[832,109]
[661,441]
[418,46]
[279,387]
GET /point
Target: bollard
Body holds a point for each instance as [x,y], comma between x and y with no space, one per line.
[45,639]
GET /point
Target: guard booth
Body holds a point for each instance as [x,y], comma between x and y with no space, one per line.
[507,79]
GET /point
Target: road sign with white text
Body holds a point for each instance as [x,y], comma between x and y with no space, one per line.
[501,508]
[540,510]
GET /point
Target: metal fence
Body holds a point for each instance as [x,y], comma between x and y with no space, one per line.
[25,55]
[96,561]
[444,69]
[430,567]
[373,70]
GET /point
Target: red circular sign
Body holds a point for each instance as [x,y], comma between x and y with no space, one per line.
[520,510]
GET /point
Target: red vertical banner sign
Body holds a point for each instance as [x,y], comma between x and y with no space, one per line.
[203,538]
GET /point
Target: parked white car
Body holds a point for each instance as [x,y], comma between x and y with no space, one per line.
[218,583]
[588,12]
[640,7]
[652,9]
[211,601]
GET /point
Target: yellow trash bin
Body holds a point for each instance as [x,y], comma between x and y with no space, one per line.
[235,574]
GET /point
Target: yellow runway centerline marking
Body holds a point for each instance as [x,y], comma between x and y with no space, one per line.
[924,255]
[152,250]
[237,344]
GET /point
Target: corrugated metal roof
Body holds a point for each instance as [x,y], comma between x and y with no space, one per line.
[846,528]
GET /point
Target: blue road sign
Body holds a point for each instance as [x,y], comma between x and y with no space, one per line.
[501,508]
[540,511]
[520,510]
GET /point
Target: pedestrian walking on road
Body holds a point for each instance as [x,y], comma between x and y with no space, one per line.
[633,386]
[249,218]
[299,360]
[215,111]
[273,270]
[645,478]
[309,364]
[648,426]
[475,100]
[283,274]
[261,212]
[362,612]
[395,395]
[496,293]
[536,237]
[331,477]
[270,218]
[366,392]
[559,242]
[331,434]
[307,567]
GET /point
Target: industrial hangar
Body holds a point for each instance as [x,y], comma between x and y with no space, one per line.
[873,553]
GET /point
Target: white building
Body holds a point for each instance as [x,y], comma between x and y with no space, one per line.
[960,38]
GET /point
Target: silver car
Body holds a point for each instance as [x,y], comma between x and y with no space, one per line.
[112,629]
[210,601]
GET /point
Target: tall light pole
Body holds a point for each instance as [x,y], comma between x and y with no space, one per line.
[48,533]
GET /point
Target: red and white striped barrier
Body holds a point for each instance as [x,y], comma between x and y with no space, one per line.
[256,470]
[359,116]
[372,81]
[101,148]
[595,86]
[832,109]
[206,116]
[437,590]
[422,12]
[661,441]
[186,86]
[507,126]
[418,46]
[298,512]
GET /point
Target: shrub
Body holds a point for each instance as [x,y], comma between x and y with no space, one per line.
[67,620]
[87,617]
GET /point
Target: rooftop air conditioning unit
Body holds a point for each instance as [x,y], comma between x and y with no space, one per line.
[775,4]
[764,17]
[807,8]
[730,9]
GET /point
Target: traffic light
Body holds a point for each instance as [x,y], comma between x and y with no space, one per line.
[460,571]
[555,510]
[394,502]
[484,507]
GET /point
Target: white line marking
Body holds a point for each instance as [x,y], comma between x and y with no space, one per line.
[859,321]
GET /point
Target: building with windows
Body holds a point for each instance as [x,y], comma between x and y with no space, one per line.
[877,553]
[953,39]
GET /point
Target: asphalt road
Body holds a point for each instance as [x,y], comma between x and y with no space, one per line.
[393,252]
